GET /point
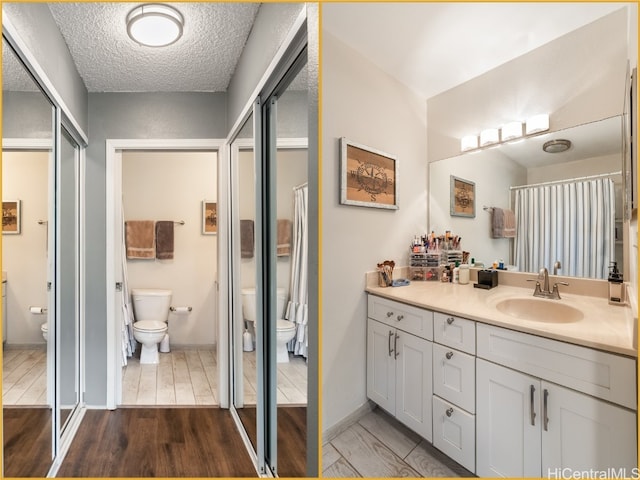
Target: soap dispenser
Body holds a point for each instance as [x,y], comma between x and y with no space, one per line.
[616,286]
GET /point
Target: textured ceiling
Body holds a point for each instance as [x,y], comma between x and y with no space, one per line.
[203,60]
[434,46]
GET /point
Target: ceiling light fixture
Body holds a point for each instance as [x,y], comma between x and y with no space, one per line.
[470,142]
[557,146]
[489,137]
[511,131]
[537,123]
[155,25]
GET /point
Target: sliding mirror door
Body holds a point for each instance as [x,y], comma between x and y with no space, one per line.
[27,263]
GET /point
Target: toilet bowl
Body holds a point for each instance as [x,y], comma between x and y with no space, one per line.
[285,330]
[44,328]
[151,311]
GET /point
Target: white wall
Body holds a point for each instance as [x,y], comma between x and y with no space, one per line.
[171,186]
[24,256]
[367,106]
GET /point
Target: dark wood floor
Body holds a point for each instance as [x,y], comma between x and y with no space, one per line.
[157,442]
[292,438]
[27,441]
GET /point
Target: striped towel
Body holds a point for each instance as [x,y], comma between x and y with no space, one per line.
[503,223]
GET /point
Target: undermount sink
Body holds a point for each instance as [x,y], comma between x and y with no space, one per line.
[539,310]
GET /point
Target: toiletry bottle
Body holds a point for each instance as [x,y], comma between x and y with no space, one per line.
[616,286]
[464,274]
[456,273]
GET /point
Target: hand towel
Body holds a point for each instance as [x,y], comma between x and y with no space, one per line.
[284,237]
[140,239]
[164,240]
[246,239]
[503,223]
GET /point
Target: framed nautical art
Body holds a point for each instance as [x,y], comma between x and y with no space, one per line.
[463,197]
[368,177]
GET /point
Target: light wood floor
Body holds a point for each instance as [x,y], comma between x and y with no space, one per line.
[24,376]
[292,380]
[379,446]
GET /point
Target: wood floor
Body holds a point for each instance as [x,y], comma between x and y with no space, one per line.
[157,442]
[27,441]
[379,446]
[292,438]
[24,376]
[292,380]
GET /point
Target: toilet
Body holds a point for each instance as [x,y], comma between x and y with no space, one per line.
[285,330]
[151,311]
[44,328]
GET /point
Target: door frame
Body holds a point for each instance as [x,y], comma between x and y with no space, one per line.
[114,275]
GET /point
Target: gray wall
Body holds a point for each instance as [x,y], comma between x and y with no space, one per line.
[39,31]
[272,24]
[140,116]
[26,115]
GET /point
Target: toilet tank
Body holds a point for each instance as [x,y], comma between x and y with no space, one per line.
[249,303]
[151,304]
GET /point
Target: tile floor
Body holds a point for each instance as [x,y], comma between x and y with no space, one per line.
[24,376]
[379,446]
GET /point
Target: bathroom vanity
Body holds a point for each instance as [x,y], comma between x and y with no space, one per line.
[502,383]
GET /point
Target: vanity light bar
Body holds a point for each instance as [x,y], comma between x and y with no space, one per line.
[510,131]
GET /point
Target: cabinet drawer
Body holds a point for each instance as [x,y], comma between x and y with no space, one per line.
[455,332]
[601,374]
[416,321]
[454,377]
[454,433]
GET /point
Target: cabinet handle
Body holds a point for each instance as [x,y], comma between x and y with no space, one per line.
[390,337]
[450,320]
[532,391]
[544,413]
[400,317]
[389,314]
[449,411]
[449,355]
[395,346]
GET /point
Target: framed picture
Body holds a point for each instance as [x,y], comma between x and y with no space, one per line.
[209,218]
[368,177]
[463,197]
[11,217]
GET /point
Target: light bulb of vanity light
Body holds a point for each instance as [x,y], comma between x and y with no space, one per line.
[154,25]
[489,137]
[537,123]
[511,131]
[469,142]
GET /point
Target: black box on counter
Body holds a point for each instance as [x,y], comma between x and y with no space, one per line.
[487,279]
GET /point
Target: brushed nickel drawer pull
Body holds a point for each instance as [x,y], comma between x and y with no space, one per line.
[395,346]
[449,411]
[400,317]
[544,414]
[389,314]
[450,320]
[390,337]
[449,355]
[532,391]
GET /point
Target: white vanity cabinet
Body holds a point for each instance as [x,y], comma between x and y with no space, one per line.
[528,426]
[399,355]
[454,388]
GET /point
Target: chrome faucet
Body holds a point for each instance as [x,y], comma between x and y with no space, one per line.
[543,291]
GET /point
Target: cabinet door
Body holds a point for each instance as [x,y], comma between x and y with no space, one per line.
[508,420]
[454,377]
[381,365]
[413,383]
[454,433]
[582,433]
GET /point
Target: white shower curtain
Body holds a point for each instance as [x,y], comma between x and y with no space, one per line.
[570,222]
[297,306]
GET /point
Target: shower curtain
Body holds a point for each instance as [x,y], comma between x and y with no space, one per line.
[297,306]
[570,222]
[128,342]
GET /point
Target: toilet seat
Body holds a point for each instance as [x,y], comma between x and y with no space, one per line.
[285,325]
[150,326]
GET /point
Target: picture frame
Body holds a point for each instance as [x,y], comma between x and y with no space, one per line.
[368,176]
[463,197]
[209,218]
[11,217]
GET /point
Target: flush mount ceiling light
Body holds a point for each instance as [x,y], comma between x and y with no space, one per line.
[154,25]
[557,146]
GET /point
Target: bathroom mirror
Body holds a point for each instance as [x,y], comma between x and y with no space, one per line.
[28,348]
[596,150]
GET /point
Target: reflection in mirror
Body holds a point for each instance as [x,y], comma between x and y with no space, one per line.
[68,264]
[27,161]
[593,163]
[291,315]
[244,215]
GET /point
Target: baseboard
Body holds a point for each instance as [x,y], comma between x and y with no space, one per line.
[332,432]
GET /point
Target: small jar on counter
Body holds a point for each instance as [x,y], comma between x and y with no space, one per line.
[463,275]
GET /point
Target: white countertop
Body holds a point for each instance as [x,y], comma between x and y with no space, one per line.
[605,327]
